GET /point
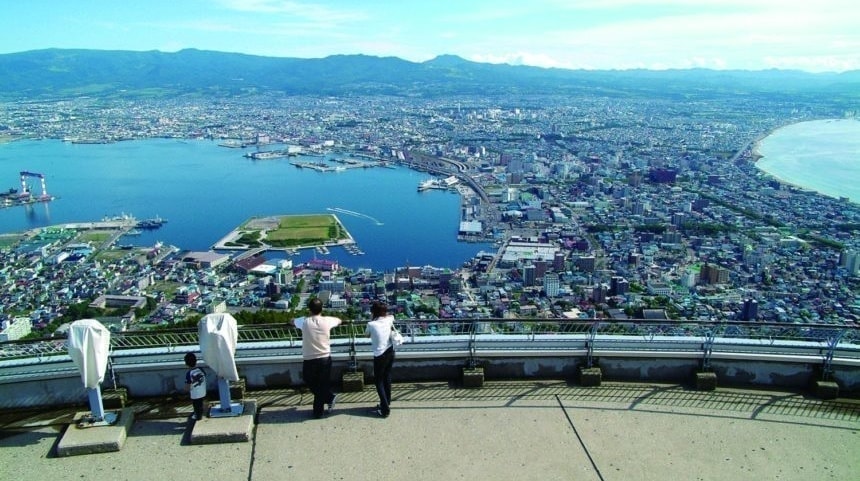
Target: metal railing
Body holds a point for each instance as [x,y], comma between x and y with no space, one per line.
[476,337]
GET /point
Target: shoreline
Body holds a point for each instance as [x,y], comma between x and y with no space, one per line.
[757,142]
[756,155]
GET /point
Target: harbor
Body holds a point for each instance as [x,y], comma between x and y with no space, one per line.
[353,249]
[387,237]
[270,154]
[318,166]
[338,164]
[447,183]
[127,224]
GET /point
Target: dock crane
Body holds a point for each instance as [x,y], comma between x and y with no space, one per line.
[25,190]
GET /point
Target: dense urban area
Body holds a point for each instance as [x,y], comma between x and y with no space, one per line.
[600,207]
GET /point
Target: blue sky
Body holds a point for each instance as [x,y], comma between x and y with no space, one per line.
[811,35]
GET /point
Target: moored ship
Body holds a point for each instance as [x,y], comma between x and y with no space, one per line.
[153,223]
[269,154]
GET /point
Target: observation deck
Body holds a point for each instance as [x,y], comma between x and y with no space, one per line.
[531,417]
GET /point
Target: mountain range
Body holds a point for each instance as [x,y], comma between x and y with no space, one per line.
[63,73]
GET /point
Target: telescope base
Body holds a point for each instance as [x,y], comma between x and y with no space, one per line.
[236,409]
[231,429]
[84,437]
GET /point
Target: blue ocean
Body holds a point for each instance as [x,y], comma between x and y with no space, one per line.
[823,155]
[204,191]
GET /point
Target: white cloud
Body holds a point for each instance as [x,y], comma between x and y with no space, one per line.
[301,10]
[595,34]
[813,63]
[744,40]
[518,58]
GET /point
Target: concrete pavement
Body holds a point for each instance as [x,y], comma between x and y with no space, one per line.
[517,430]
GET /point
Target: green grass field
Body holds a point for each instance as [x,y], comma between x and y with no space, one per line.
[96,236]
[9,240]
[303,230]
[112,255]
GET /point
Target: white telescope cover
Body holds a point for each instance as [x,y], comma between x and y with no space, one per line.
[89,345]
[218,337]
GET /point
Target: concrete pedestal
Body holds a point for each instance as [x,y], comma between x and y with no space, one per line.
[826,389]
[352,381]
[84,439]
[706,381]
[590,376]
[235,429]
[473,377]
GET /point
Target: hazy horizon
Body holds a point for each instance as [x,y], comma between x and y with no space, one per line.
[578,35]
[428,60]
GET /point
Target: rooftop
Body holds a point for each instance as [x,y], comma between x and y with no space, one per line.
[532,429]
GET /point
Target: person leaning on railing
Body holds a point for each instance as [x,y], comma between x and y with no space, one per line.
[316,355]
[380,330]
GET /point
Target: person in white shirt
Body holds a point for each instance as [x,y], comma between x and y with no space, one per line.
[379,329]
[316,355]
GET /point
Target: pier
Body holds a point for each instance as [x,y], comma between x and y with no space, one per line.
[116,224]
[344,164]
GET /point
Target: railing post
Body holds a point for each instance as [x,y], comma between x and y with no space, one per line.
[352,380]
[592,335]
[116,397]
[473,376]
[111,369]
[827,368]
[826,388]
[353,363]
[472,333]
[708,348]
[706,379]
[589,375]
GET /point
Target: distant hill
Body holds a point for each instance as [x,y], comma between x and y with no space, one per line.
[59,73]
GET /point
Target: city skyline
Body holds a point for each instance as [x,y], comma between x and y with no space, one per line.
[750,35]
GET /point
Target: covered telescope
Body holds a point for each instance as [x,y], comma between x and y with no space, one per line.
[89,346]
[218,337]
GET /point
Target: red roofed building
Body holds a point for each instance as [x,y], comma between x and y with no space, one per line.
[249,263]
[323,265]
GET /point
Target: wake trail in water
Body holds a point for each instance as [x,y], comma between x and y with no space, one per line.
[354,213]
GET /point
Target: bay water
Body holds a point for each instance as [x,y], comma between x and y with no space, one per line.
[204,191]
[821,155]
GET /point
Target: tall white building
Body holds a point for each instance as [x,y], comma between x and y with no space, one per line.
[850,260]
[18,328]
[551,284]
